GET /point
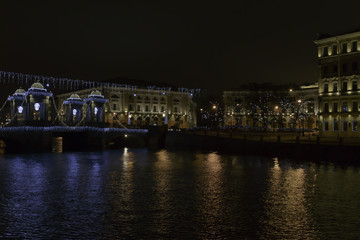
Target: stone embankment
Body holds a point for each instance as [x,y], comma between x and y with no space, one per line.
[295,145]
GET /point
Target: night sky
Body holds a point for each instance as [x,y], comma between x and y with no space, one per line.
[214,45]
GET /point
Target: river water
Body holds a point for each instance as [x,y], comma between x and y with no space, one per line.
[143,194]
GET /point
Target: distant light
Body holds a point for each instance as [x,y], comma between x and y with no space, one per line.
[290,90]
[47,85]
[20,109]
[74,112]
[134,94]
[276,107]
[214,107]
[163,93]
[126,135]
[191,94]
[163,114]
[299,101]
[96,110]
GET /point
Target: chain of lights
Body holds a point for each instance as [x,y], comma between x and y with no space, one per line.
[69,129]
[70,84]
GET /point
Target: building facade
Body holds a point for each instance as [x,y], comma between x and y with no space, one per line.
[139,107]
[338,77]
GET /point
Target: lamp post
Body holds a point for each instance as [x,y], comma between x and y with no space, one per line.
[302,119]
[276,119]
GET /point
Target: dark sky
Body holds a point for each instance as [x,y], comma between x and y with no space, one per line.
[214,45]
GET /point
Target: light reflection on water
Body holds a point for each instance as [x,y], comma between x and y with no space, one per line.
[136,193]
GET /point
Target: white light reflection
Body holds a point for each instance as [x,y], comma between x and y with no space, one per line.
[286,209]
[162,179]
[210,190]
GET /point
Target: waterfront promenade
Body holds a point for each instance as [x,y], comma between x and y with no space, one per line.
[283,137]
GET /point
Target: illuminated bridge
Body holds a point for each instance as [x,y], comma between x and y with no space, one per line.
[35,139]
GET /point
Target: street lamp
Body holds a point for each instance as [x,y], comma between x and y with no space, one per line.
[276,120]
[301,120]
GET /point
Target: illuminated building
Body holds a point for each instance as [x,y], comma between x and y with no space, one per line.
[275,107]
[338,76]
[140,107]
[31,107]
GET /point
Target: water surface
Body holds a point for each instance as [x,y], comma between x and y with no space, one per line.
[142,194]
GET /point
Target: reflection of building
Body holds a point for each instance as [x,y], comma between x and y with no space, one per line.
[338,66]
[272,107]
[140,107]
[30,107]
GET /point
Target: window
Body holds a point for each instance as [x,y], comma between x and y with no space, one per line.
[114,106]
[354,85]
[354,46]
[146,108]
[138,108]
[326,126]
[325,70]
[335,87]
[154,109]
[355,107]
[344,67]
[326,88]
[326,50]
[344,48]
[326,107]
[162,108]
[335,68]
[336,125]
[355,126]
[354,66]
[345,126]
[344,107]
[344,88]
[175,109]
[130,107]
[335,107]
[334,49]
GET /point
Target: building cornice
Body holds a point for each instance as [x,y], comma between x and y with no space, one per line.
[335,39]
